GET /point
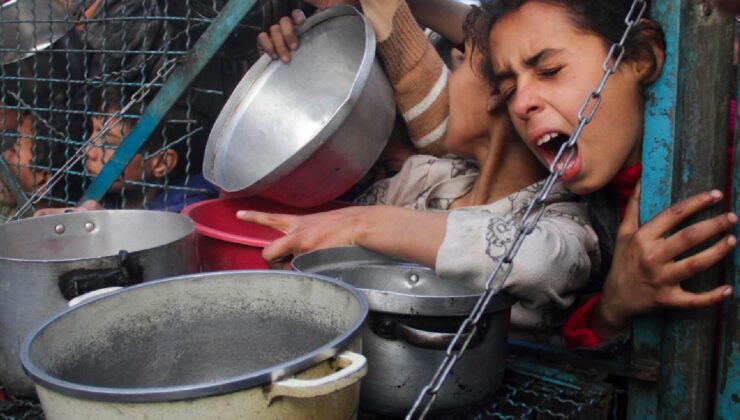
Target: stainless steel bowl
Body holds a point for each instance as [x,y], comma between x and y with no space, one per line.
[303,133]
[29,26]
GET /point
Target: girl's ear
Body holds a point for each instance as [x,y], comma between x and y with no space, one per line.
[164,163]
[646,50]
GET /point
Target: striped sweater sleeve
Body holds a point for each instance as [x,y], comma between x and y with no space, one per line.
[419,79]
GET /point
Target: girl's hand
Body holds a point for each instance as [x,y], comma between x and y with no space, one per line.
[88,205]
[646,275]
[310,232]
[282,38]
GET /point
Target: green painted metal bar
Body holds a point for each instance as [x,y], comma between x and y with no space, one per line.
[201,53]
[727,405]
[705,78]
[684,153]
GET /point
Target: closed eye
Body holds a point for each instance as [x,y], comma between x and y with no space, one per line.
[508,92]
[550,72]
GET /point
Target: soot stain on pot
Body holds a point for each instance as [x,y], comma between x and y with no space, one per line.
[163,348]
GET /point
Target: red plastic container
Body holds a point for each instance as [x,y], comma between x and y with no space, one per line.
[227,243]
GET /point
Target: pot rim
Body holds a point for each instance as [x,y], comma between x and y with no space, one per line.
[206,389]
[393,302]
[216,145]
[190,232]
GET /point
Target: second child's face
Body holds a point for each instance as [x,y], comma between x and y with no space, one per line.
[103,149]
[19,159]
[545,67]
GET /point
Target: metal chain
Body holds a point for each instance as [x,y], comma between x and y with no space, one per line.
[458,345]
[167,67]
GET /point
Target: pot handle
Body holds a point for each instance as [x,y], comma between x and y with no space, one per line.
[80,281]
[429,339]
[353,368]
[89,295]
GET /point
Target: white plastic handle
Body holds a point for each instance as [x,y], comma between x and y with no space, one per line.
[353,368]
[89,295]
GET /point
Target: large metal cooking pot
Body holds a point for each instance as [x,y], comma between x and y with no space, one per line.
[303,133]
[42,52]
[45,261]
[213,345]
[413,317]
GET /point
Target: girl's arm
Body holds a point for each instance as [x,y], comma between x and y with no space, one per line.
[399,232]
[554,262]
[445,17]
[417,73]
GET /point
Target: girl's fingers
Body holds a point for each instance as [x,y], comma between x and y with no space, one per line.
[279,250]
[678,212]
[265,43]
[696,234]
[680,298]
[286,26]
[298,16]
[281,222]
[631,220]
[691,266]
[276,34]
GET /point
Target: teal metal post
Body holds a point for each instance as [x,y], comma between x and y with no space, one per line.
[727,406]
[684,152]
[201,53]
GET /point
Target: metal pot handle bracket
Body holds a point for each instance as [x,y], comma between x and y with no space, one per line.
[429,339]
[353,368]
[80,281]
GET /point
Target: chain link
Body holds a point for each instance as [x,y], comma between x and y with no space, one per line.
[428,394]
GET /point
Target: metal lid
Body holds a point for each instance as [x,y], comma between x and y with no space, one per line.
[395,286]
[280,114]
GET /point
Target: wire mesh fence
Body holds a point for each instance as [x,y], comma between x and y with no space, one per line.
[76,75]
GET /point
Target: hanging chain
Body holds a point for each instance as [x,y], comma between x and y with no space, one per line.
[469,327]
[167,67]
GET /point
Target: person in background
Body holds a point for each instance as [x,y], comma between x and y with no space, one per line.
[33,148]
[163,175]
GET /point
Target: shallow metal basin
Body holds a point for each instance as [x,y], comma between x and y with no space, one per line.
[303,133]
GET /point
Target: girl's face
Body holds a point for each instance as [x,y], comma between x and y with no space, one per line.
[103,149]
[545,67]
[19,159]
[471,121]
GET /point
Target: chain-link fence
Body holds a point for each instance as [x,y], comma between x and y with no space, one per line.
[77,75]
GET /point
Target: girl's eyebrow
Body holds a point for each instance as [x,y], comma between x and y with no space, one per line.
[540,56]
[530,62]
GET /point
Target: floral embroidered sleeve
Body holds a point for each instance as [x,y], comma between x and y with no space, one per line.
[553,263]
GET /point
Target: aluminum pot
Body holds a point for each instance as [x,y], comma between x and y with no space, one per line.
[413,317]
[303,133]
[46,261]
[220,345]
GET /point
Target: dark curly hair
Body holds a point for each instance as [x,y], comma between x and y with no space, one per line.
[603,18]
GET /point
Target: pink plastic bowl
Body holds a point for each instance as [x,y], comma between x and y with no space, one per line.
[227,243]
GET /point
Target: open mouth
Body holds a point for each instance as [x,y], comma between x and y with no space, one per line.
[549,145]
